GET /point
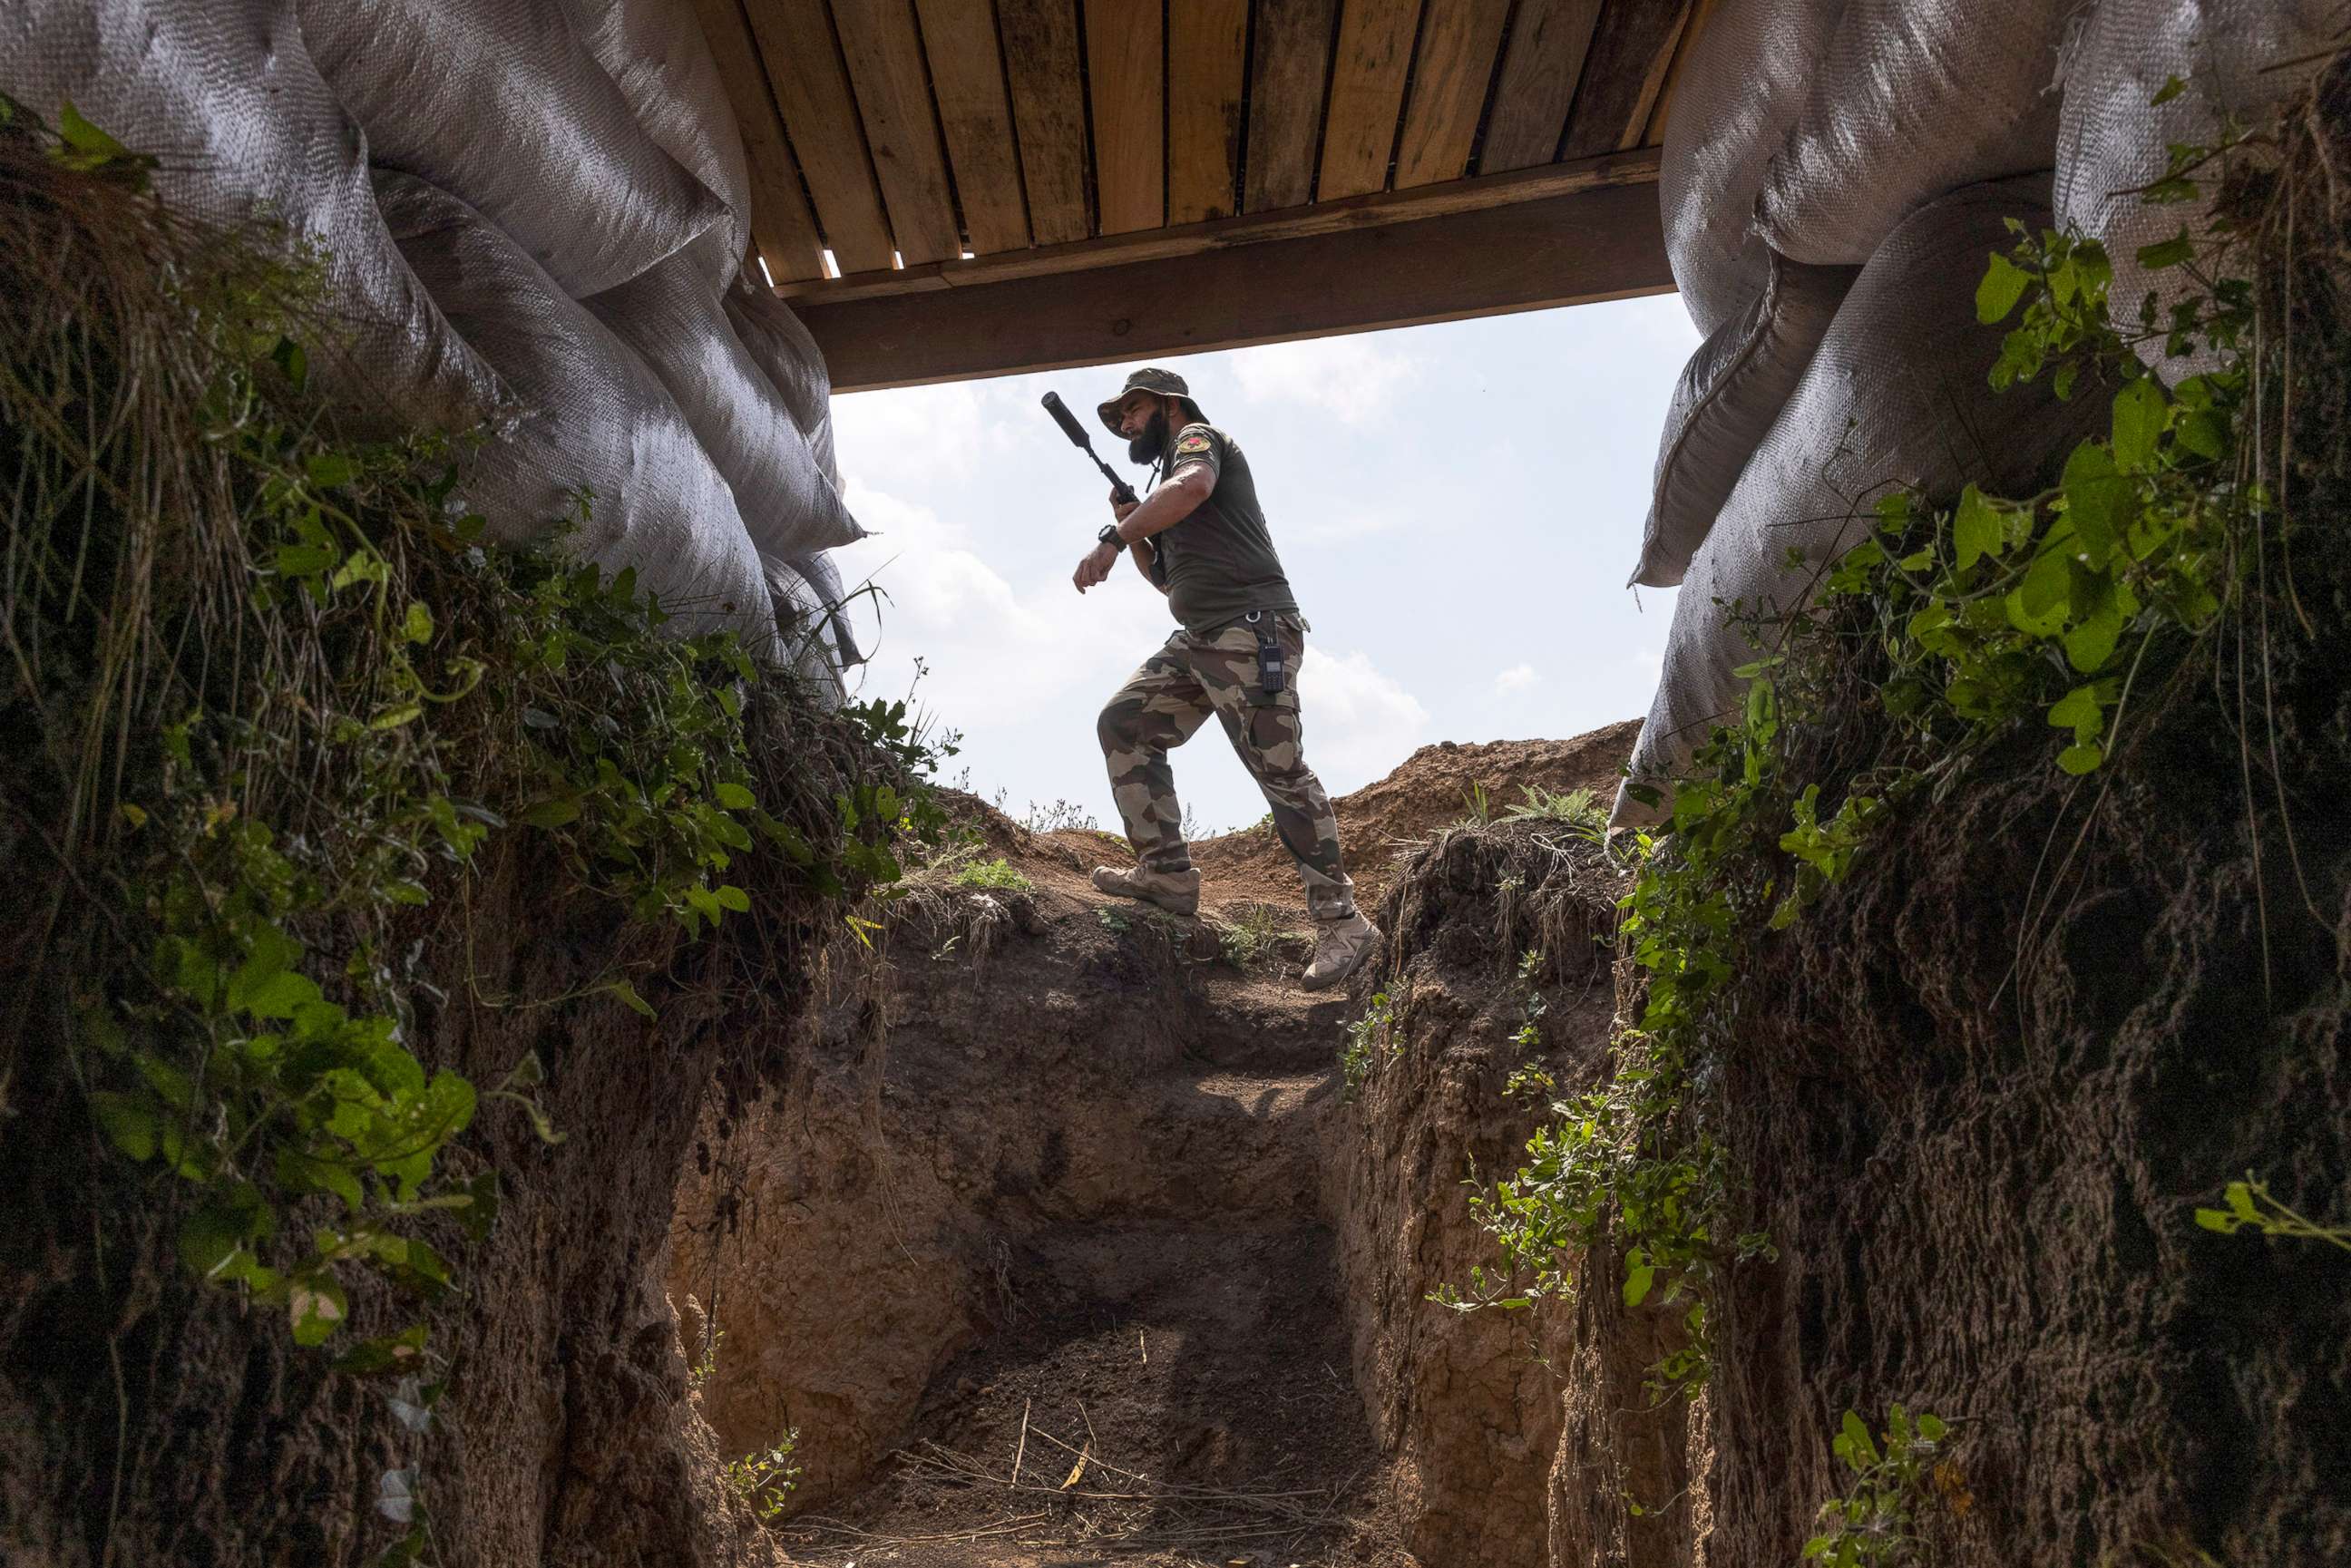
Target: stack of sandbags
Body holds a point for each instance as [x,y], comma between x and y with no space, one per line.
[1830,225]
[2232,58]
[596,420]
[224,95]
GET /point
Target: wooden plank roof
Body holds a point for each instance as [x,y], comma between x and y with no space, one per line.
[950,188]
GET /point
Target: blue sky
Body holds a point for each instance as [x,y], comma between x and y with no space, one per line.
[1457,508]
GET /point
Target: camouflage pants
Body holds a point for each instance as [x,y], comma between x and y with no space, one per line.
[1165,700]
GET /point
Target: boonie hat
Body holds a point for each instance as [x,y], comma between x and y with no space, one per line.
[1150,379]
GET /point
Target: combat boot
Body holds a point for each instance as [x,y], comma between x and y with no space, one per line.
[1340,948]
[1177,891]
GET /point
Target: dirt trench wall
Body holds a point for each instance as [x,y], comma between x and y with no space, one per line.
[565,1436]
[1522,1439]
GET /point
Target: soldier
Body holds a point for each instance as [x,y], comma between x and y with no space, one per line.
[1202,540]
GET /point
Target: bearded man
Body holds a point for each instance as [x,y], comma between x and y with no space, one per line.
[1202,540]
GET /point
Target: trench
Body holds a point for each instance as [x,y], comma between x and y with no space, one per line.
[1032,1251]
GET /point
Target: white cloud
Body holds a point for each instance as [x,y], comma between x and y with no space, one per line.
[1517,678]
[1349,377]
[1360,723]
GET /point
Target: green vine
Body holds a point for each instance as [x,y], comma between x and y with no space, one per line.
[1965,623]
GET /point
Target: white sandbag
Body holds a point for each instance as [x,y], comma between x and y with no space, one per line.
[805,634]
[1897,398]
[497,102]
[1913,98]
[226,99]
[821,575]
[671,316]
[599,420]
[787,356]
[2233,57]
[1728,395]
[656,52]
[1741,87]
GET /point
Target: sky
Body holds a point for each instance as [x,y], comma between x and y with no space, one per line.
[1456,507]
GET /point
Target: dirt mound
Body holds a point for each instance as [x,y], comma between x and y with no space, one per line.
[1432,788]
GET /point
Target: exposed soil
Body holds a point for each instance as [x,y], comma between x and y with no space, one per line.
[1061,1175]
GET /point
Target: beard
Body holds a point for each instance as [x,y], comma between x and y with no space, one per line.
[1148,446]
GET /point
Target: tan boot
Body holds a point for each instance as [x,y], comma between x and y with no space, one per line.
[1177,891]
[1340,948]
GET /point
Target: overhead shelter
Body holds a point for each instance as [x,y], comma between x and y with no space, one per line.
[956,188]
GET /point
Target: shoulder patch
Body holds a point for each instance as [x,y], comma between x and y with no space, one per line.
[1192,441]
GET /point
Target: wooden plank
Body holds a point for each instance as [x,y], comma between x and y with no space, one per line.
[1125,66]
[967,76]
[1289,66]
[783,225]
[1604,244]
[1699,15]
[1540,69]
[1207,59]
[812,90]
[1453,66]
[884,54]
[1634,168]
[1040,57]
[1359,128]
[1625,74]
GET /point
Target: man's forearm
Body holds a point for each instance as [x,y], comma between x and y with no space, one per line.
[1166,507]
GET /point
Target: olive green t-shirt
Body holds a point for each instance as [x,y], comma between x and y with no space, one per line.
[1220,561]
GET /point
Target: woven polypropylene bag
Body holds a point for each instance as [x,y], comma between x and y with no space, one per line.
[498,102]
[1913,98]
[1897,398]
[599,421]
[656,52]
[223,95]
[1741,90]
[806,632]
[1728,395]
[671,316]
[2238,58]
[821,574]
[790,361]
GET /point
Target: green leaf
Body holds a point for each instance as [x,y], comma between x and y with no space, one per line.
[1639,1276]
[2172,88]
[2089,643]
[736,798]
[390,1353]
[733,898]
[2003,284]
[2214,1219]
[553,813]
[82,137]
[2239,1197]
[2094,494]
[1863,1449]
[1976,530]
[397,715]
[417,625]
[317,1306]
[128,1119]
[629,998]
[328,469]
[2167,252]
[2080,759]
[2080,711]
[304,560]
[2140,413]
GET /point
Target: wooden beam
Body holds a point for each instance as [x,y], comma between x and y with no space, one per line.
[795,41]
[1540,70]
[1602,244]
[1625,72]
[1663,113]
[783,226]
[1359,129]
[1040,57]
[1126,61]
[968,74]
[1452,67]
[1635,168]
[1207,59]
[1289,66]
[884,53]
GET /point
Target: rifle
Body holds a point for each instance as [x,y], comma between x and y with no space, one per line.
[1120,489]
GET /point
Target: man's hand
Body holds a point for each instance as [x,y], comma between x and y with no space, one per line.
[1119,510]
[1096,565]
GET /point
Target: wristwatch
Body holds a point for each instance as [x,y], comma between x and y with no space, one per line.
[1110,535]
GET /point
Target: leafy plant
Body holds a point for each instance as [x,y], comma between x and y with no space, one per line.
[765,1479]
[1376,1033]
[1877,1524]
[1578,809]
[1253,936]
[996,875]
[2250,1205]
